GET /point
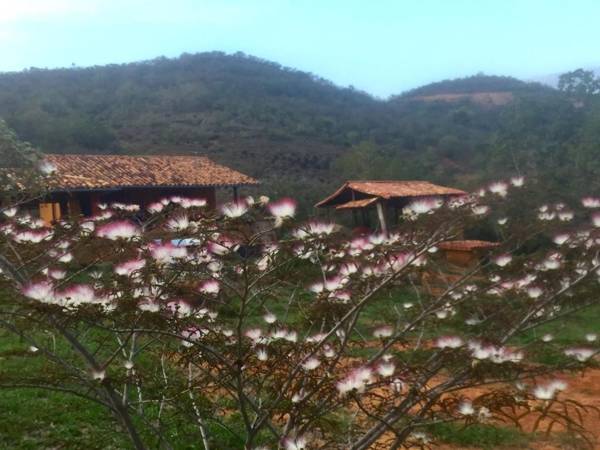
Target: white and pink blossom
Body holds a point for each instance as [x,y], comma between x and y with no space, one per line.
[121,229]
[284,208]
[127,268]
[449,342]
[234,210]
[209,287]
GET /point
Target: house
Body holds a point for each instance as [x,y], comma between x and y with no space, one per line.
[388,198]
[79,183]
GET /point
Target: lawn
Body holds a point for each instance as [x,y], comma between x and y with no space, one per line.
[35,418]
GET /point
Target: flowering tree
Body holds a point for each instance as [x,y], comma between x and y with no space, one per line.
[178,316]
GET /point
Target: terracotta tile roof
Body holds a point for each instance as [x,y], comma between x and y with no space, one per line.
[388,189]
[357,203]
[111,171]
[467,245]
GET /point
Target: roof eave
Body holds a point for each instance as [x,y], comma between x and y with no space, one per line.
[148,186]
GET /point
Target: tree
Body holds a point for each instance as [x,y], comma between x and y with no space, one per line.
[182,318]
[14,153]
[579,83]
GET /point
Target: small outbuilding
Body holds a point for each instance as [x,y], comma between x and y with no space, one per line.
[79,183]
[388,198]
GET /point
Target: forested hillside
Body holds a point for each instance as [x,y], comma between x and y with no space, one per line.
[302,134]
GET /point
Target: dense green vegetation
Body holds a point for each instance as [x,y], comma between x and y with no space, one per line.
[300,133]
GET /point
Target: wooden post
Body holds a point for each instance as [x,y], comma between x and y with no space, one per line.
[235,194]
[365,217]
[354,212]
[381,216]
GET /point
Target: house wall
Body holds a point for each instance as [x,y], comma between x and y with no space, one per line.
[146,196]
[86,203]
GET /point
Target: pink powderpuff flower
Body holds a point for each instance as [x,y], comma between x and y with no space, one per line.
[47,168]
[423,206]
[104,215]
[178,223]
[209,287]
[87,227]
[517,181]
[66,257]
[130,207]
[596,220]
[357,380]
[222,245]
[270,318]
[234,209]
[129,267]
[262,354]
[149,305]
[449,342]
[167,253]
[499,188]
[561,239]
[253,334]
[377,239]
[580,354]
[191,335]
[335,283]
[10,212]
[349,268]
[317,287]
[193,203]
[590,202]
[42,291]
[565,216]
[98,375]
[502,354]
[549,391]
[57,274]
[399,261]
[342,296]
[466,408]
[502,260]
[383,332]
[33,237]
[121,229]
[286,207]
[311,364]
[320,228]
[156,207]
[179,308]
[534,292]
[553,262]
[386,369]
[297,443]
[480,210]
[79,294]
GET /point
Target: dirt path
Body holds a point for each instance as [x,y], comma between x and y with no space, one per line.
[583,388]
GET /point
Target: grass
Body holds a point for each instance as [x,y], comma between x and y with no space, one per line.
[35,418]
[480,436]
[38,418]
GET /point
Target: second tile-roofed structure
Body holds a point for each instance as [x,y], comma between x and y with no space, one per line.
[351,191]
[385,195]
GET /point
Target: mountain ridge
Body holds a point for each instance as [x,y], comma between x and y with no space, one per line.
[293,129]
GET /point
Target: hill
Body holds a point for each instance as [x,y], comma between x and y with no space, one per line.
[301,133]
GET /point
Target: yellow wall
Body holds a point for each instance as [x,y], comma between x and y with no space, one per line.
[50,212]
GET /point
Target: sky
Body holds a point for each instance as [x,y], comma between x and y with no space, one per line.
[383,47]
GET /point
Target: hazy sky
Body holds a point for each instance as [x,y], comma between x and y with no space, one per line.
[381,46]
